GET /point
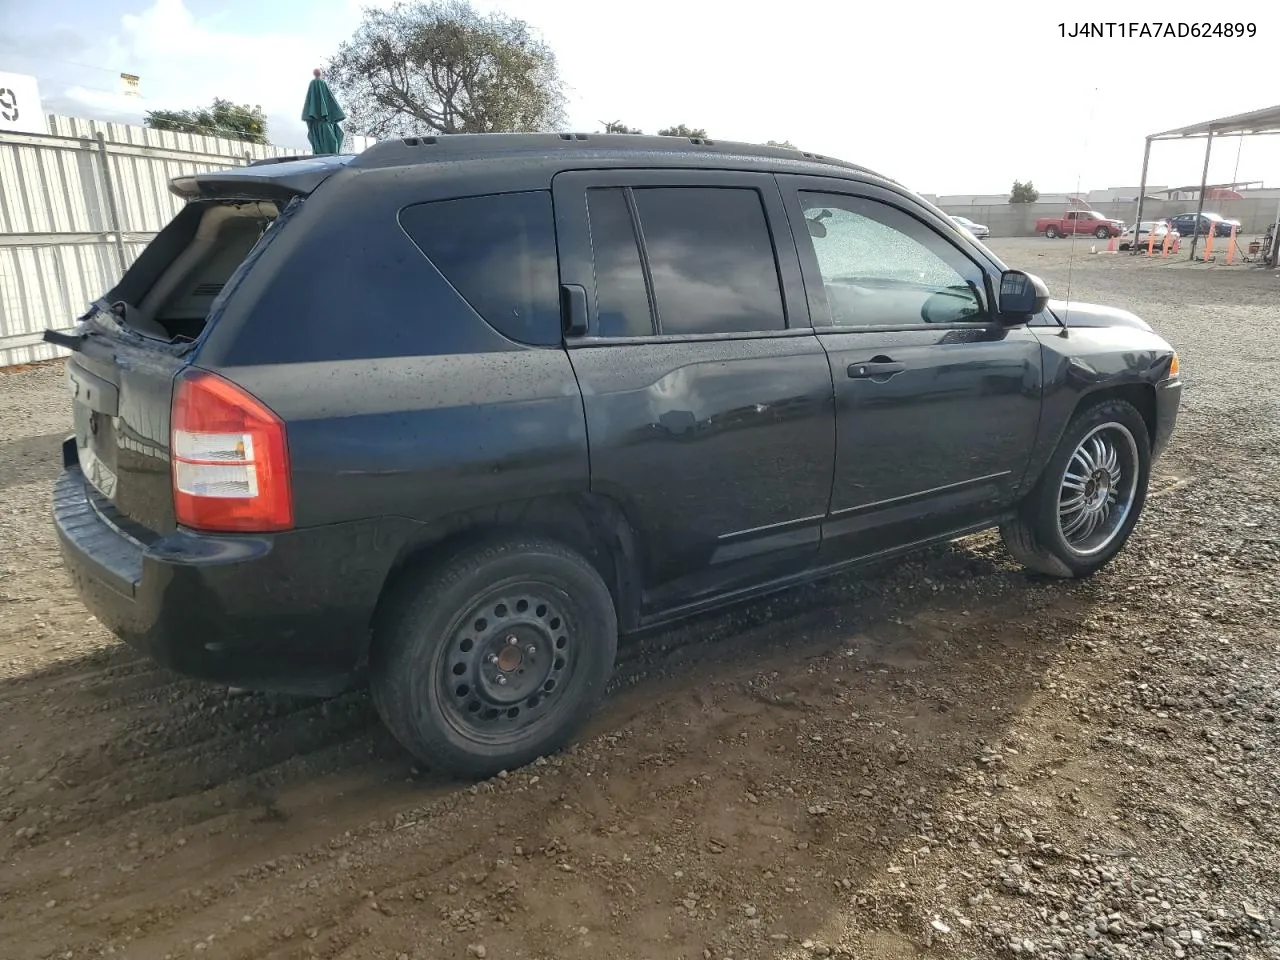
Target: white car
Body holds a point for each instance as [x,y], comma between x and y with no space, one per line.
[977,229]
[1157,228]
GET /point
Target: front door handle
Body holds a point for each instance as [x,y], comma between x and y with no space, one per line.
[876,369]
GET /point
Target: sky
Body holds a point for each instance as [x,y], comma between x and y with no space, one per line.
[962,99]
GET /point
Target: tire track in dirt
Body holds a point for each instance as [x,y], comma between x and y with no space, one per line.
[795,632]
[664,764]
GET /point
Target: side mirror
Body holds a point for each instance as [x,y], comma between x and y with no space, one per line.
[1022,295]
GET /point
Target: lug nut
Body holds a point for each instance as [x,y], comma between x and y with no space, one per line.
[531,649]
[500,680]
[492,658]
[512,641]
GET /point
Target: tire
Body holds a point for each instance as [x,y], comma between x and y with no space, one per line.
[1102,233]
[1035,536]
[528,611]
[1051,233]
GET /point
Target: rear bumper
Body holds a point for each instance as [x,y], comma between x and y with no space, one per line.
[1168,399]
[287,612]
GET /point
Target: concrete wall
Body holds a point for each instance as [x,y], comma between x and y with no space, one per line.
[1019,219]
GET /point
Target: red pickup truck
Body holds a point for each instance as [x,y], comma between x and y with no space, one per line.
[1079,221]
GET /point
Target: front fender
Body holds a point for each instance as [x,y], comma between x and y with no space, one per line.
[1083,363]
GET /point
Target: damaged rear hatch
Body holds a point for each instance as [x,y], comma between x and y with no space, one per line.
[132,343]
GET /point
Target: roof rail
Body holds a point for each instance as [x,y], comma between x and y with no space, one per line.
[478,146]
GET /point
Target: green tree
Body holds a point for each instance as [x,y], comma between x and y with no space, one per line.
[222,119]
[441,67]
[1023,192]
[680,130]
[617,126]
[781,143]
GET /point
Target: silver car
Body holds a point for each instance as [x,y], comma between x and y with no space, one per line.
[977,229]
[1158,229]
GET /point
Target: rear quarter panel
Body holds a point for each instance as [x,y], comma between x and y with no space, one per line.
[425,437]
[398,398]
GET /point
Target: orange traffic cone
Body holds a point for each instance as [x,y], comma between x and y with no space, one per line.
[1231,245]
[1164,247]
[1151,242]
[1177,242]
[1208,244]
[1111,247]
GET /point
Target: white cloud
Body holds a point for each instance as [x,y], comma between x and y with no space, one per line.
[961,99]
[184,62]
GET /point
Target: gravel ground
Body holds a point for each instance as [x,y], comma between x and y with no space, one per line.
[942,757]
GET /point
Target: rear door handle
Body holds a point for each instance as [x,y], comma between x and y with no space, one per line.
[875,369]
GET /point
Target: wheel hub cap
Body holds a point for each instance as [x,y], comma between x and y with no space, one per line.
[1097,489]
[510,659]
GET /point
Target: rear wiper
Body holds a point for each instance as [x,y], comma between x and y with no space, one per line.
[72,341]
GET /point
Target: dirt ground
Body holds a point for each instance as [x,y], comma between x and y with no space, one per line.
[942,758]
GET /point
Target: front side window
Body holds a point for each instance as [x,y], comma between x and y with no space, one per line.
[881,266]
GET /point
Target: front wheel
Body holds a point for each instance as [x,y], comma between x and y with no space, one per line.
[1102,233]
[1088,500]
[494,657]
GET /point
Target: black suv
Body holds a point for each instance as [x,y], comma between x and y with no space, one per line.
[454,413]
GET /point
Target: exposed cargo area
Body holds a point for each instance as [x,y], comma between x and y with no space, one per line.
[169,290]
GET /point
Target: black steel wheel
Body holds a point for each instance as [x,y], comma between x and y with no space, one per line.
[494,657]
[509,655]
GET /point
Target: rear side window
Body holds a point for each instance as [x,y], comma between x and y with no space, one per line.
[711,260]
[499,253]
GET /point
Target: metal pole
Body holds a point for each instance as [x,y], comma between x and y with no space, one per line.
[1204,185]
[1275,241]
[113,215]
[1142,195]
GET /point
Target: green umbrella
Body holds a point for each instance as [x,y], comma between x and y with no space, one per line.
[322,113]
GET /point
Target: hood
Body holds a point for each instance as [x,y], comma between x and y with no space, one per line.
[1093,315]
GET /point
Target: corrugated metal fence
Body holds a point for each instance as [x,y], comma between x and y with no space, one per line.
[77,206]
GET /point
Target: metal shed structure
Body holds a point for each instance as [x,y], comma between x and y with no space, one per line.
[1253,124]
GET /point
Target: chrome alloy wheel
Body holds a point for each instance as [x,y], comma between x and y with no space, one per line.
[1098,489]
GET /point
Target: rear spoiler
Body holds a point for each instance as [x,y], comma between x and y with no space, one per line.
[279,178]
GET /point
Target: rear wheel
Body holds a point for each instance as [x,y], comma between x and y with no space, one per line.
[495,657]
[1051,232]
[1090,496]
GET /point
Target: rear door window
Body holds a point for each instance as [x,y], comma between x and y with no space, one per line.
[622,299]
[711,259]
[499,252]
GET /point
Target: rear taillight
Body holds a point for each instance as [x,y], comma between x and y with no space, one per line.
[229,457]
